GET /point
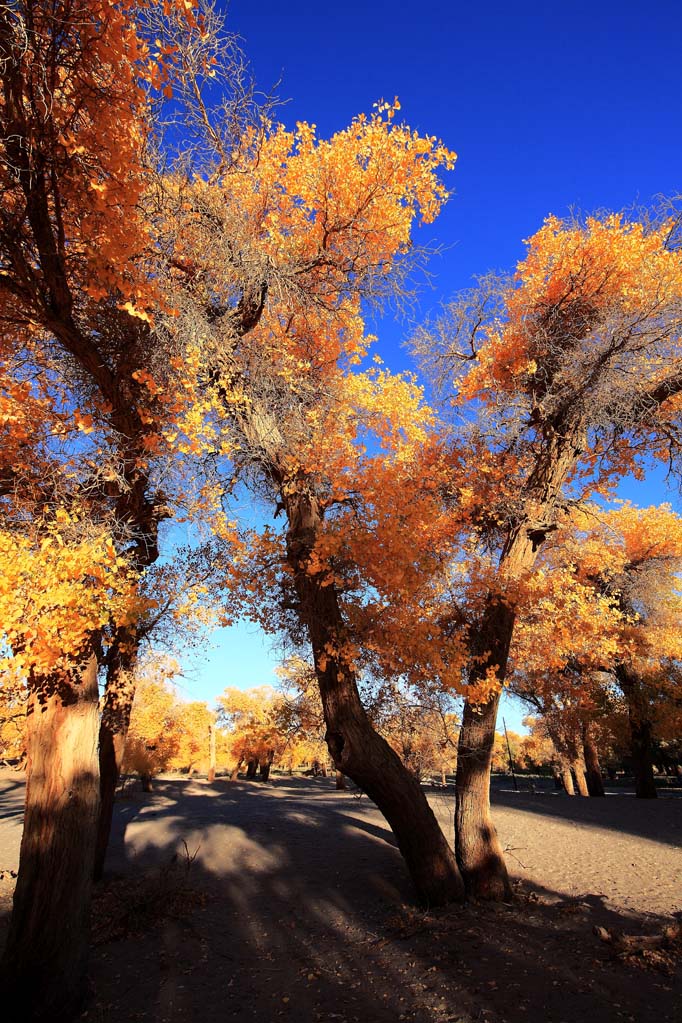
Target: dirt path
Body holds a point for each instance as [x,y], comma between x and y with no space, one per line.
[296,906]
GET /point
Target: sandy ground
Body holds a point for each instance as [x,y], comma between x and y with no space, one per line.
[296,906]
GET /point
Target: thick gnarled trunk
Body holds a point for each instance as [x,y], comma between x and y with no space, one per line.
[355,747]
[45,961]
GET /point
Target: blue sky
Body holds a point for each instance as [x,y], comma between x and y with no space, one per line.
[549,106]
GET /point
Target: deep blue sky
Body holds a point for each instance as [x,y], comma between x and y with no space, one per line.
[548,106]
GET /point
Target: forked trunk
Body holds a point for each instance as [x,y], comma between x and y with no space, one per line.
[595,782]
[45,961]
[355,747]
[113,730]
[234,773]
[251,768]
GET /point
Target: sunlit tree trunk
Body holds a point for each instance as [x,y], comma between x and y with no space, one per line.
[580,776]
[340,780]
[355,747]
[566,776]
[45,960]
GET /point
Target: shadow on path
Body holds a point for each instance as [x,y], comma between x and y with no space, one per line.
[308,917]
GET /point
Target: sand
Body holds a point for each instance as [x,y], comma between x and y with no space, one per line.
[296,906]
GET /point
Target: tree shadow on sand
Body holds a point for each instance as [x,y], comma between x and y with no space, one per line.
[307,915]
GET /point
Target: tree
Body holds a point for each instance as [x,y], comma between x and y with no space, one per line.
[253,719]
[573,370]
[77,278]
[321,225]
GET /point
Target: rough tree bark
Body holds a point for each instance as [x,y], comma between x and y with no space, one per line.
[45,960]
[355,747]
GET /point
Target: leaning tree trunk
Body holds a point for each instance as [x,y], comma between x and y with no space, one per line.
[118,703]
[641,731]
[566,776]
[580,777]
[595,782]
[45,961]
[479,852]
[355,747]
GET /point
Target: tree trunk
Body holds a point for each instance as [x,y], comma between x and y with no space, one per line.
[113,730]
[340,780]
[265,766]
[595,782]
[251,768]
[355,747]
[567,777]
[580,777]
[641,731]
[45,961]
[234,773]
[146,779]
[479,852]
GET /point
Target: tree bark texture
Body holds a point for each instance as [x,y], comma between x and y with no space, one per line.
[641,731]
[46,956]
[355,747]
